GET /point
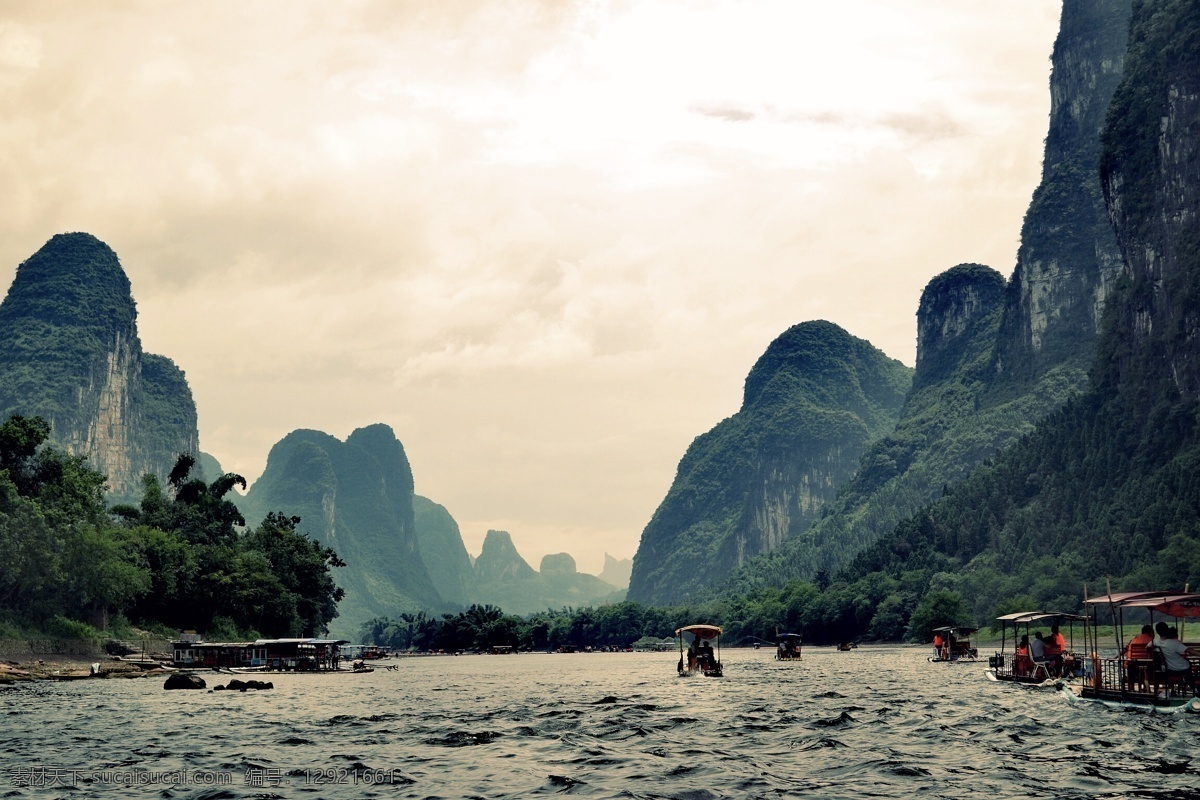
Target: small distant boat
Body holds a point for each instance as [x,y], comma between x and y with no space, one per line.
[359,666]
[846,646]
[700,657]
[788,646]
[955,644]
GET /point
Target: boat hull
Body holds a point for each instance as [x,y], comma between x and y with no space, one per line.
[1031,683]
[1179,705]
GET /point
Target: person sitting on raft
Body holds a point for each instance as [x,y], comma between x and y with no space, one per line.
[1022,663]
[1054,649]
[1137,655]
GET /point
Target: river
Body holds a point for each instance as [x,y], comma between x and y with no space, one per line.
[872,722]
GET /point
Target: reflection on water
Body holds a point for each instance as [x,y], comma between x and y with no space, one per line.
[873,722]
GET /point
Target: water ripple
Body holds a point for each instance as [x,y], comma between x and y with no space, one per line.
[875,722]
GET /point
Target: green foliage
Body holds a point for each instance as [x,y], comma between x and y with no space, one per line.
[937,609]
[179,558]
[370,477]
[812,402]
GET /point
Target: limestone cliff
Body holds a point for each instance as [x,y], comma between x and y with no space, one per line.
[505,579]
[616,571]
[499,560]
[1149,169]
[1068,260]
[953,312]
[443,552]
[70,352]
[1104,492]
[990,367]
[356,497]
[812,403]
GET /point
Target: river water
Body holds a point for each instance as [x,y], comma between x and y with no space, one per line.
[873,722]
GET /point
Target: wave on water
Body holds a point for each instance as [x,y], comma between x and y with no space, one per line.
[596,725]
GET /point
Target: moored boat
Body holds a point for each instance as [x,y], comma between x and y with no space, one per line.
[700,658]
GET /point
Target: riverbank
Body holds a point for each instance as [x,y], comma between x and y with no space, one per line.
[58,667]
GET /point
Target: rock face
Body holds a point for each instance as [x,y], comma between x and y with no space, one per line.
[987,371]
[356,497]
[955,309]
[1068,261]
[70,353]
[1150,168]
[812,403]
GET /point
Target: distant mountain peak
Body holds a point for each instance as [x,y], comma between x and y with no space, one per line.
[499,560]
[70,353]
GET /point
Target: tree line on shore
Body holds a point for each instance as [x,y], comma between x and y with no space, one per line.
[865,610]
[182,558]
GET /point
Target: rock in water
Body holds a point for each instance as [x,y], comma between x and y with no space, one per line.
[184,680]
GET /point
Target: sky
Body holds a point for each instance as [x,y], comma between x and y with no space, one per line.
[544,241]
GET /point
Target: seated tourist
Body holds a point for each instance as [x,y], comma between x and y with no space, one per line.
[1023,662]
[1175,658]
[1054,647]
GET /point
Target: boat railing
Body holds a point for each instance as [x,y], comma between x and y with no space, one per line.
[1119,678]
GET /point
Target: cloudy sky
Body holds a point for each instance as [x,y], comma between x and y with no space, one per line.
[544,241]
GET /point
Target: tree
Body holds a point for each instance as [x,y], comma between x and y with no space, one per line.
[937,609]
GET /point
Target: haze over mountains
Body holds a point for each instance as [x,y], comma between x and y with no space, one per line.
[70,352]
[1047,435]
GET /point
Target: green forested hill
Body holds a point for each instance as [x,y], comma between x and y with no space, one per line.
[70,354]
[62,316]
[812,402]
[356,497]
[1108,489]
[993,359]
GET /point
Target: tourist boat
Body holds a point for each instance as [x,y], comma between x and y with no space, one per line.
[1021,669]
[956,644]
[845,647]
[1122,682]
[699,657]
[788,646]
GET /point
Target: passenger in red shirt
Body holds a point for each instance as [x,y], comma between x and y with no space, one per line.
[1023,664]
[1137,653]
[1056,646]
[1139,646]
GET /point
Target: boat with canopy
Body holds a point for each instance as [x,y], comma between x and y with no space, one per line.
[954,644]
[699,657]
[1134,675]
[787,646]
[1019,666]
